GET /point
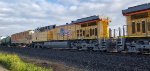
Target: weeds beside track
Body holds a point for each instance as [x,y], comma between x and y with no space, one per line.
[14,63]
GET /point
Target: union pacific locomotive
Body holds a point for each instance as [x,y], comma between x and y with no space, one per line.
[138,28]
[93,33]
[86,33]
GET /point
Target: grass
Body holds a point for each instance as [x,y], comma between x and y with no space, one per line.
[14,63]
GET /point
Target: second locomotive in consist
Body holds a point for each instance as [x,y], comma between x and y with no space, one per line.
[85,33]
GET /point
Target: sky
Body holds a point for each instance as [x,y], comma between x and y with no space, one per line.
[21,15]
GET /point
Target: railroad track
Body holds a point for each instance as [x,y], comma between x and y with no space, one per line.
[87,51]
[99,52]
[88,60]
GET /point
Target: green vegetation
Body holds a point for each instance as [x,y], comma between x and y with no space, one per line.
[14,63]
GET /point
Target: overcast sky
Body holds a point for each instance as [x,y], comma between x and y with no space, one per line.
[21,15]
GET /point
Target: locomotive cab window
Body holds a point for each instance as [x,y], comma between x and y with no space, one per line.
[133,27]
[143,26]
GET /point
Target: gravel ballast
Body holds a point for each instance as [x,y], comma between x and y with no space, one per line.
[88,60]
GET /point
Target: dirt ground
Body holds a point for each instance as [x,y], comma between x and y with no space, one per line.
[2,68]
[56,66]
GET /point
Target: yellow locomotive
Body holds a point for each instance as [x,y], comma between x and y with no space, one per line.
[138,28]
[85,33]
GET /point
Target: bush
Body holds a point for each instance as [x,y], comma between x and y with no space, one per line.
[14,63]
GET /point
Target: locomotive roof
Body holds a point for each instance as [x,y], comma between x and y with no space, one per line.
[86,19]
[90,18]
[45,28]
[137,8]
[63,25]
[22,32]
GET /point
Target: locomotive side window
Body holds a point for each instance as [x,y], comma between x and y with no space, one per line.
[133,27]
[83,33]
[143,26]
[80,32]
[148,23]
[138,27]
[77,33]
[91,32]
[95,31]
